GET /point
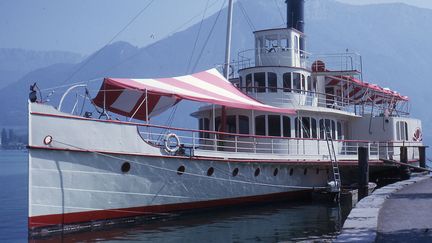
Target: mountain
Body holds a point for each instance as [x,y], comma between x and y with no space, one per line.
[393,39]
[15,63]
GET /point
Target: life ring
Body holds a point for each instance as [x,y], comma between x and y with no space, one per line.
[418,137]
[169,145]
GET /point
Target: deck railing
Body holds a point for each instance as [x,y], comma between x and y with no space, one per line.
[219,144]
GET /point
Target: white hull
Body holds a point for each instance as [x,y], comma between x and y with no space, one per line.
[78,176]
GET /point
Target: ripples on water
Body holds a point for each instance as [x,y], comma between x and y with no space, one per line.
[266,223]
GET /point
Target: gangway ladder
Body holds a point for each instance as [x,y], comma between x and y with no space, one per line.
[334,163]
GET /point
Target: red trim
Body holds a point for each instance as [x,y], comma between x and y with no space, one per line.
[291,162]
[80,217]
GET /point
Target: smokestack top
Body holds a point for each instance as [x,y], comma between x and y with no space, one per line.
[295,14]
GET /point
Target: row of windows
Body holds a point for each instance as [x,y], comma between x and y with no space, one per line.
[276,126]
[402,131]
[181,170]
[267,43]
[267,82]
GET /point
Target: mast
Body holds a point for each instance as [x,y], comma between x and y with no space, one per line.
[228,39]
[227,58]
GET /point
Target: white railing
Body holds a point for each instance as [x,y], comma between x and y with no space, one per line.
[286,97]
[195,141]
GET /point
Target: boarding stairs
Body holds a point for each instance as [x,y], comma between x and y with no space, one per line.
[336,185]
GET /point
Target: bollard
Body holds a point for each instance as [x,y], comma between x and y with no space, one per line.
[404,170]
[422,156]
[363,172]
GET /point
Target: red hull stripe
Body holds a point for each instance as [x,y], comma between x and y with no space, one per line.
[82,217]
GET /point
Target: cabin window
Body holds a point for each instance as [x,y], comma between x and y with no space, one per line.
[303,82]
[259,79]
[243,125]
[271,43]
[329,125]
[297,128]
[314,128]
[309,84]
[286,127]
[272,82]
[287,82]
[401,131]
[249,83]
[322,129]
[339,131]
[260,125]
[306,127]
[301,44]
[296,82]
[204,125]
[398,131]
[333,129]
[240,83]
[296,43]
[218,123]
[284,43]
[274,125]
[231,124]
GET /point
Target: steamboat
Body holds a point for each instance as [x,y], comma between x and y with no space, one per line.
[280,124]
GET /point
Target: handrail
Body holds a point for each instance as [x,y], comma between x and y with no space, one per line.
[67,92]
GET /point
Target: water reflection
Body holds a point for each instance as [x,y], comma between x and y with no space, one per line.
[267,223]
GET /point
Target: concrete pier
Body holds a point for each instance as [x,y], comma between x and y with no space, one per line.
[400,212]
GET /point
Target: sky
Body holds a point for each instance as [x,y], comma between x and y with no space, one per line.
[84,26]
[418,3]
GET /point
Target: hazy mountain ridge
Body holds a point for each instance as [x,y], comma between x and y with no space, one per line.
[392,38]
[15,63]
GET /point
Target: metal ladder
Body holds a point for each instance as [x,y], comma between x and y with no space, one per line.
[334,162]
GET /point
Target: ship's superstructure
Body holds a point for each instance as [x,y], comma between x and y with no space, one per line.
[285,124]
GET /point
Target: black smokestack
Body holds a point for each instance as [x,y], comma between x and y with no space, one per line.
[295,14]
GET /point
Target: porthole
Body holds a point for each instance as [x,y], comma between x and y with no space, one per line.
[305,171]
[275,172]
[181,170]
[317,171]
[125,168]
[291,171]
[235,172]
[210,171]
[257,171]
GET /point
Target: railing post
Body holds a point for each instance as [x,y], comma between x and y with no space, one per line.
[236,141]
[422,156]
[363,172]
[369,149]
[404,170]
[193,142]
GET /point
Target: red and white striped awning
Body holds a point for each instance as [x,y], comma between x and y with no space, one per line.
[357,89]
[127,96]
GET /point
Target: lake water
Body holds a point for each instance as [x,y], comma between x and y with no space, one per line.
[266,223]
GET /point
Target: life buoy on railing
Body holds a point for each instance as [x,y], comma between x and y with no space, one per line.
[418,137]
[172,143]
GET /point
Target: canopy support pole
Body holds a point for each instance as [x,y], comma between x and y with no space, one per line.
[214,126]
[253,122]
[223,119]
[137,109]
[147,114]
